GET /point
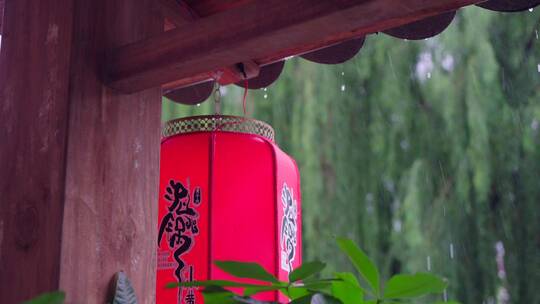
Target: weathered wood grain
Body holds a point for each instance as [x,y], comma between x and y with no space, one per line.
[112,163]
[261,30]
[79,161]
[34,73]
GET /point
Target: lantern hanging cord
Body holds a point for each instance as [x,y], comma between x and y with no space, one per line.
[244,107]
[244,99]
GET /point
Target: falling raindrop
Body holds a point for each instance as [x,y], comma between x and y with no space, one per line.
[428,262]
[428,75]
[452,250]
[535,124]
[445,296]
[342,73]
[404,144]
[538,68]
[397,225]
[198,105]
[536,33]
[531,10]
[342,88]
[265,96]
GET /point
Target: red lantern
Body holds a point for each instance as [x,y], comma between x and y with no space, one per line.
[227,192]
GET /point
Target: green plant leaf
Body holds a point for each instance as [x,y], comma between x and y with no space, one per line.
[56,297]
[448,302]
[317,298]
[213,283]
[347,293]
[416,285]
[297,292]
[319,285]
[246,270]
[347,277]
[249,291]
[218,295]
[306,270]
[361,261]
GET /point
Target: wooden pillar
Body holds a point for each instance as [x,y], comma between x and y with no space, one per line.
[79,163]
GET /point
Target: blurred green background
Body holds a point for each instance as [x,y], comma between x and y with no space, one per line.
[426,153]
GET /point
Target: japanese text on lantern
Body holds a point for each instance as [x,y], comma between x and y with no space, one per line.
[179,226]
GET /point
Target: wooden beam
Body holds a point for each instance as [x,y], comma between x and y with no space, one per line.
[258,30]
[178,12]
[181,15]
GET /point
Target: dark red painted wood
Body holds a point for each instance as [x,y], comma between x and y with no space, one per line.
[112,163]
[336,54]
[509,5]
[256,30]
[193,94]
[79,163]
[424,28]
[34,73]
[267,75]
[181,15]
[1,14]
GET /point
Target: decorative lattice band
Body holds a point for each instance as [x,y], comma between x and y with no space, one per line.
[218,123]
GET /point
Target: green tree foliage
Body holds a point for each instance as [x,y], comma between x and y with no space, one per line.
[425,153]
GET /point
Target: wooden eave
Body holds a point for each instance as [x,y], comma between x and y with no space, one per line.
[226,33]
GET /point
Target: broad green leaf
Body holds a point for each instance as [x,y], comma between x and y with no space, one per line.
[410,286]
[347,277]
[246,270]
[296,292]
[218,295]
[363,264]
[213,283]
[302,300]
[56,297]
[249,291]
[317,298]
[323,286]
[347,293]
[306,270]
[448,302]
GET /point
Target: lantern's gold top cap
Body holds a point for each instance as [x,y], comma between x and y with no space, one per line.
[211,123]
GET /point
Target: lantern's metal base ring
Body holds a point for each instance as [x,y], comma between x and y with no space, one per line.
[210,123]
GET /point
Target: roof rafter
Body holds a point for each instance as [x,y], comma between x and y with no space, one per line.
[262,30]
